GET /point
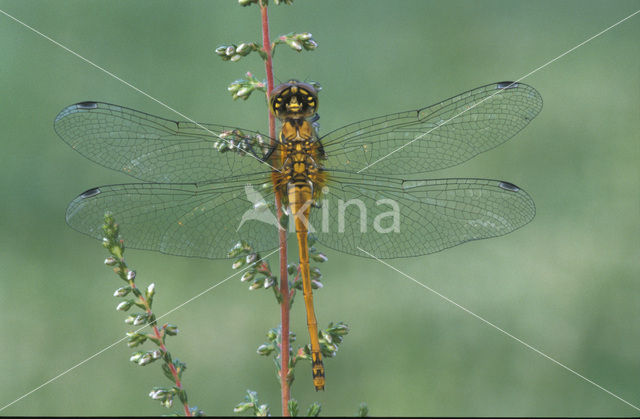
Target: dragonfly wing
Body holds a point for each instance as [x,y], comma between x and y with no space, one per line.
[155,149]
[199,220]
[392,218]
[439,136]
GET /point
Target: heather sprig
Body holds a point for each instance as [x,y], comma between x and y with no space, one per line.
[142,301]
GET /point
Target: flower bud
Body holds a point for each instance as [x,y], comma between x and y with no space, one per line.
[245,91]
[256,284]
[292,268]
[265,349]
[331,347]
[171,329]
[124,305]
[238,263]
[135,339]
[140,319]
[110,261]
[242,407]
[122,291]
[247,276]
[310,45]
[131,275]
[145,359]
[315,273]
[294,44]
[340,329]
[135,357]
[319,257]
[243,49]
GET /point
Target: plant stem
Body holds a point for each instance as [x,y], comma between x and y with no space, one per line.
[163,348]
[285,390]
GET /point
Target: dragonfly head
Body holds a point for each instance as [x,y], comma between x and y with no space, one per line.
[294,100]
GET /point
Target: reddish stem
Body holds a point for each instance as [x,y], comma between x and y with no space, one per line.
[285,390]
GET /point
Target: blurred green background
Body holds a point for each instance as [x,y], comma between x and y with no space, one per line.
[567,284]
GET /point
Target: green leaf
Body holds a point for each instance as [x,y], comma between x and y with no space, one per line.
[363,410]
[293,407]
[167,357]
[167,373]
[314,409]
[182,394]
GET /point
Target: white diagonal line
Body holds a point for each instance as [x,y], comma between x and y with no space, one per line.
[127,83]
[136,331]
[482,319]
[501,90]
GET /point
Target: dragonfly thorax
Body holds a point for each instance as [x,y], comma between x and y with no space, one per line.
[300,155]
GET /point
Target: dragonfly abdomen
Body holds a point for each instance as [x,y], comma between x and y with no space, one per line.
[300,197]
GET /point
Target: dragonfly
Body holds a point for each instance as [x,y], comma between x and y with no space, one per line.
[358,189]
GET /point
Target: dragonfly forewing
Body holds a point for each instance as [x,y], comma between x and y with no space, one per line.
[436,137]
[155,149]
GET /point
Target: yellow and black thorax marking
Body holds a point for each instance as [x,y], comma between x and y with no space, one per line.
[299,152]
